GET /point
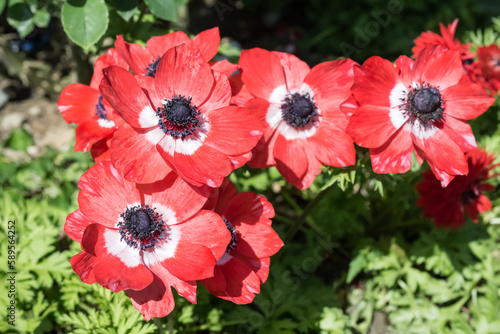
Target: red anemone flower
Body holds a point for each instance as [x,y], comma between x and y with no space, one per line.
[85,106]
[144,60]
[486,70]
[244,266]
[179,120]
[446,39]
[465,194]
[300,109]
[145,239]
[422,105]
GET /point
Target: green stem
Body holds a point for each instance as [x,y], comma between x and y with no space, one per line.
[298,223]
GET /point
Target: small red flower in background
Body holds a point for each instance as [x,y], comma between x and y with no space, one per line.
[446,39]
[145,60]
[448,206]
[85,106]
[486,70]
[244,266]
[179,120]
[420,105]
[145,239]
[300,108]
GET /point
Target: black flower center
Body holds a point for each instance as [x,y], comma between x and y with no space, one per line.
[100,111]
[152,67]
[298,110]
[178,117]
[141,227]
[234,235]
[423,103]
[472,194]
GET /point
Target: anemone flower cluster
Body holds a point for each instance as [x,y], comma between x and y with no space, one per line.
[166,126]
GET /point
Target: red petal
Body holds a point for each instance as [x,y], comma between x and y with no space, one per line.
[443,153]
[136,156]
[191,262]
[208,42]
[225,194]
[483,204]
[76,223]
[246,207]
[233,130]
[89,133]
[466,100]
[77,103]
[331,145]
[111,57]
[116,272]
[156,300]
[459,132]
[183,198]
[404,66]
[217,284]
[261,72]
[295,70]
[395,155]
[438,67]
[83,265]
[241,282]
[123,93]
[158,45]
[137,56]
[260,267]
[257,240]
[371,126]
[224,67]
[220,95]
[183,71]
[186,289]
[331,82]
[105,194]
[290,159]
[240,92]
[211,232]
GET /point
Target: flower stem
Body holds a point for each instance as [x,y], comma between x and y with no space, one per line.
[298,223]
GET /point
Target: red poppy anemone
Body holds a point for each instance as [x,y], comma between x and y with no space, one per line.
[244,266]
[179,120]
[300,108]
[85,106]
[145,60]
[420,105]
[446,39]
[448,207]
[486,70]
[145,239]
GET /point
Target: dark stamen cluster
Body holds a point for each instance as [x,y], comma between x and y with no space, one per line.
[178,117]
[100,111]
[141,227]
[471,194]
[298,110]
[234,236]
[152,67]
[424,103]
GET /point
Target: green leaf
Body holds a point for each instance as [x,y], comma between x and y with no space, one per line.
[2,5]
[19,140]
[85,21]
[164,9]
[355,267]
[126,8]
[41,18]
[19,16]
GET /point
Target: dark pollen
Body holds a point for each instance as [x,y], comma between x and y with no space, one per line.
[234,235]
[178,117]
[141,227]
[473,193]
[298,110]
[423,103]
[100,111]
[152,67]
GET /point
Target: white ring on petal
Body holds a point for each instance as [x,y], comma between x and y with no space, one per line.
[148,117]
[154,135]
[193,142]
[419,130]
[105,123]
[165,248]
[396,99]
[114,245]
[278,95]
